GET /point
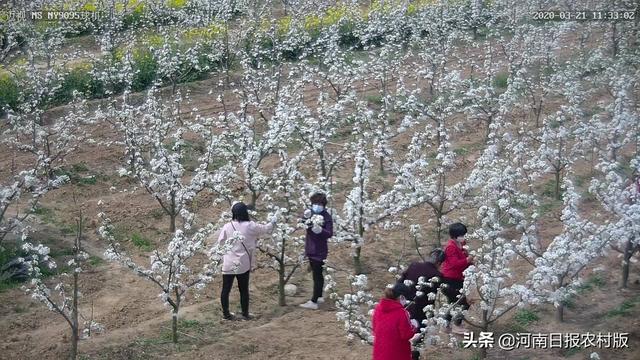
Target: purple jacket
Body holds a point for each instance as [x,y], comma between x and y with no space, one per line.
[315,247]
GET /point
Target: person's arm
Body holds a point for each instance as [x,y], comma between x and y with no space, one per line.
[406,329]
[455,262]
[260,230]
[222,236]
[327,228]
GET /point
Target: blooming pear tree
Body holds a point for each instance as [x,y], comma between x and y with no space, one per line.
[284,249]
[187,262]
[63,296]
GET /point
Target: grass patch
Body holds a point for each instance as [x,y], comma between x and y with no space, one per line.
[461,151]
[374,99]
[526,317]
[547,206]
[141,242]
[522,320]
[188,324]
[594,281]
[157,213]
[625,308]
[501,81]
[95,261]
[45,214]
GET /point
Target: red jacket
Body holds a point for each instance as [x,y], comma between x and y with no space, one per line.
[391,331]
[455,261]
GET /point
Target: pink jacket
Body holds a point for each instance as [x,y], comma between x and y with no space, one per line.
[241,259]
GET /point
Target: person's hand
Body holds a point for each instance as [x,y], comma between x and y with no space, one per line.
[316,229]
[415,338]
[470,259]
[307,213]
[415,323]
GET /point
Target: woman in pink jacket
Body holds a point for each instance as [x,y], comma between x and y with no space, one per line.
[238,262]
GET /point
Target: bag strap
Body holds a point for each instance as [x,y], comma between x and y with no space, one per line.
[242,243]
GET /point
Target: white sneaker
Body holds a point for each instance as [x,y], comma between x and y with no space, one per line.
[320,300]
[309,305]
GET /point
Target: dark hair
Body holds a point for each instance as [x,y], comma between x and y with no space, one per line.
[318,198]
[397,290]
[239,212]
[456,230]
[437,256]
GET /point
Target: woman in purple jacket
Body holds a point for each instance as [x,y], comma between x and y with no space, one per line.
[319,230]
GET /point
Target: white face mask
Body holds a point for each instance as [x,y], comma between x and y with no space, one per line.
[317,208]
[403,301]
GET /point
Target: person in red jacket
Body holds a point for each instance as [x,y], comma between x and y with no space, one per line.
[392,329]
[456,260]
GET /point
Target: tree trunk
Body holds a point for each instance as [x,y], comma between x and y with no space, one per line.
[357,261]
[172,225]
[557,190]
[560,313]
[381,165]
[628,252]
[74,318]
[482,353]
[174,325]
[281,296]
[438,242]
[323,164]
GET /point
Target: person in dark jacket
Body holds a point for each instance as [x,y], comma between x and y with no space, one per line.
[429,271]
[392,328]
[457,259]
[319,230]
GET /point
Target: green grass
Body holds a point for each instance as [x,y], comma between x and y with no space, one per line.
[526,317]
[79,174]
[157,213]
[141,242]
[595,281]
[625,308]
[45,214]
[501,81]
[461,151]
[522,320]
[95,261]
[188,324]
[374,99]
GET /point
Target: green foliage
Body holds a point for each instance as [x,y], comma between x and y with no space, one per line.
[141,242]
[525,317]
[45,214]
[501,81]
[78,79]
[595,281]
[95,261]
[375,99]
[157,213]
[625,308]
[145,67]
[9,92]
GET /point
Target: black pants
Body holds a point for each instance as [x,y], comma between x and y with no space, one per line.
[243,286]
[453,292]
[318,279]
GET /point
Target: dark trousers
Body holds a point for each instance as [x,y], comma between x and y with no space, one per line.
[243,287]
[453,293]
[318,279]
